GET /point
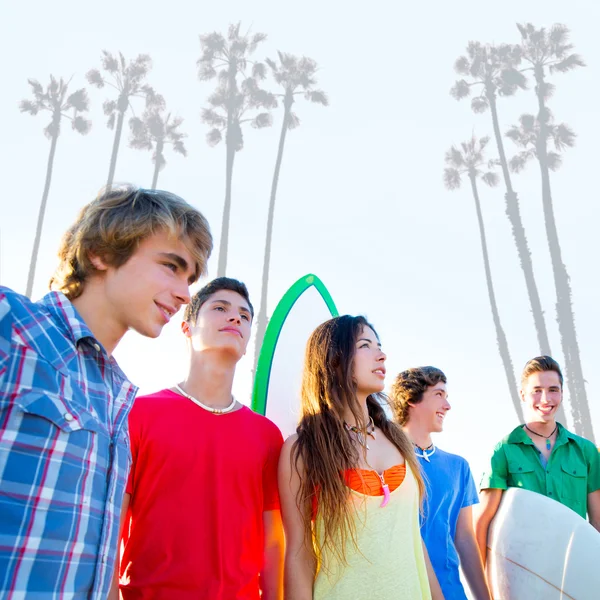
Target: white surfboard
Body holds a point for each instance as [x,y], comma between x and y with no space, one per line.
[538,549]
[276,392]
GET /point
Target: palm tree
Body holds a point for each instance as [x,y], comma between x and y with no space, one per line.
[154,131]
[532,136]
[296,76]
[469,160]
[128,80]
[549,50]
[237,94]
[493,68]
[55,100]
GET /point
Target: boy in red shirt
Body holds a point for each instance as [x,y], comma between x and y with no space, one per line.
[201,504]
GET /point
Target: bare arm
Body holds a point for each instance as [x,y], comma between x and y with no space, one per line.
[271,577]
[300,566]
[114,589]
[593,508]
[470,559]
[489,502]
[434,584]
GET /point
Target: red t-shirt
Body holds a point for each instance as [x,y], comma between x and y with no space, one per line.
[199,484]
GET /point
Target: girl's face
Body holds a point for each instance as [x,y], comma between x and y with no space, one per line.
[369,363]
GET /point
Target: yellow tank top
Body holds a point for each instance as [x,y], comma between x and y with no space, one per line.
[389,563]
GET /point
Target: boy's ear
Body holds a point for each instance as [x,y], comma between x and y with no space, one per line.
[98,263]
[186,329]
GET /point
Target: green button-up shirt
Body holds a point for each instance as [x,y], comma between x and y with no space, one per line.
[572,472]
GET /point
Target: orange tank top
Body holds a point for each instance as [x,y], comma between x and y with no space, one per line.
[369,482]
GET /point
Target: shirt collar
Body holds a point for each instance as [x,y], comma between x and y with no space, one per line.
[67,317]
[519,436]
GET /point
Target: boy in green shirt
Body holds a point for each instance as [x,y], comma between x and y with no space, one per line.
[541,455]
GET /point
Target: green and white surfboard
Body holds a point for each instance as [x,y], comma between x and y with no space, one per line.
[276,392]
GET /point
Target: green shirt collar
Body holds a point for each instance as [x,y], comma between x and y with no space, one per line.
[519,436]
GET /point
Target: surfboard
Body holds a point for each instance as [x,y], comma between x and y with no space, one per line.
[276,391]
[540,549]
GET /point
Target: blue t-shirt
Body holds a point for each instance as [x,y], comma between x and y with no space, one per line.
[450,487]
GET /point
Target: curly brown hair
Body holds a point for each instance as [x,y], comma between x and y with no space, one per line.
[323,447]
[409,387]
[113,225]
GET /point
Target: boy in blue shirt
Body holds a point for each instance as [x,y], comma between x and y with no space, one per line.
[420,403]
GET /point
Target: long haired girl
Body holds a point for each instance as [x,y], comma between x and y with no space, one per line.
[349,481]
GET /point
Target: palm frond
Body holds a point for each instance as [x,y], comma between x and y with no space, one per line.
[460,90]
[81,125]
[36,87]
[109,107]
[213,137]
[206,71]
[553,161]
[318,97]
[259,70]
[452,179]
[563,137]
[479,104]
[262,120]
[109,62]
[179,147]
[95,78]
[293,121]
[79,100]
[110,123]
[212,118]
[570,62]
[455,158]
[29,107]
[518,162]
[462,65]
[490,178]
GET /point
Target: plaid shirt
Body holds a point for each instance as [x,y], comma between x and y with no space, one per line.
[64,452]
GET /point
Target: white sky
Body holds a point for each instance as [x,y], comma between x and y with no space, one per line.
[361,201]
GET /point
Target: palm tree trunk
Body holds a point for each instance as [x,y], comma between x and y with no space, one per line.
[261,320]
[580,411]
[500,335]
[115,150]
[222,265]
[513,212]
[40,222]
[157,163]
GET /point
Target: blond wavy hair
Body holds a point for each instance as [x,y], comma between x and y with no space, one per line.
[112,226]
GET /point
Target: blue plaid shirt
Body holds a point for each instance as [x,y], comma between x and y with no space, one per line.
[64,452]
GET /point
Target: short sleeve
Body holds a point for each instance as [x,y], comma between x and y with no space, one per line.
[469,490]
[270,488]
[593,457]
[134,439]
[496,475]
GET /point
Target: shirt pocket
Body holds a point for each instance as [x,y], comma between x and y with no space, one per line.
[60,412]
[521,475]
[574,485]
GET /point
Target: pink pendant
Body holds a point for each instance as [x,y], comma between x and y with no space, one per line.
[386,495]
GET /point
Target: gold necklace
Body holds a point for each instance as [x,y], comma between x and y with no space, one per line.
[211,409]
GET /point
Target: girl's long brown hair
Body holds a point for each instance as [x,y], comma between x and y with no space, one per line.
[323,447]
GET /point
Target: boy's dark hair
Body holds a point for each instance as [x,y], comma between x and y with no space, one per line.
[540,364]
[409,387]
[216,285]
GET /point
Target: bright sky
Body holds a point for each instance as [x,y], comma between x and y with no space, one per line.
[361,201]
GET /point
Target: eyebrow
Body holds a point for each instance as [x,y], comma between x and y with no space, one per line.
[227,303]
[181,263]
[368,340]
